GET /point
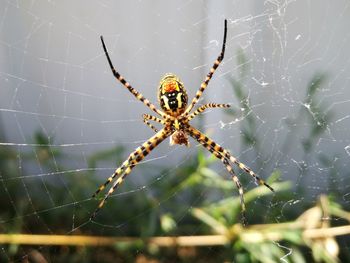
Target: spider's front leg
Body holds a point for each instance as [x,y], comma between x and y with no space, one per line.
[127,85]
[210,74]
[134,158]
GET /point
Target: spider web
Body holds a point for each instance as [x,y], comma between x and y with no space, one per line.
[66,123]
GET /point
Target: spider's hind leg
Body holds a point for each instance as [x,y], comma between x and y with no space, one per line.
[118,182]
[210,146]
[117,172]
[247,170]
[234,178]
[134,158]
[201,138]
[224,156]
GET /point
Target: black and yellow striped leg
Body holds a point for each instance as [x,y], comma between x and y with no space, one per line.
[150,125]
[117,172]
[147,118]
[111,190]
[134,158]
[228,168]
[233,176]
[126,84]
[206,106]
[210,74]
[245,168]
[142,150]
[201,138]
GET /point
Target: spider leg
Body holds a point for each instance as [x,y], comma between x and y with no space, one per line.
[234,178]
[117,172]
[150,125]
[230,170]
[147,117]
[206,106]
[142,150]
[111,190]
[126,84]
[134,158]
[203,139]
[210,74]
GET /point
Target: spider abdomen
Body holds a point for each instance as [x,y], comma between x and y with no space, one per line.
[172,95]
[172,100]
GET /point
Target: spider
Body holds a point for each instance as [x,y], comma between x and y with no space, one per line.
[175,117]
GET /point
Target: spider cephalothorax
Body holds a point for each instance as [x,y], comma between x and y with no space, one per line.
[172,95]
[175,117]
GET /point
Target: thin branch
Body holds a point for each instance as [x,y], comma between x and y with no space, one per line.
[25,239]
[249,236]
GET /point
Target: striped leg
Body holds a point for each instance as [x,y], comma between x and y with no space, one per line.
[117,172]
[206,106]
[143,150]
[203,139]
[210,74]
[138,95]
[233,175]
[134,158]
[111,190]
[147,117]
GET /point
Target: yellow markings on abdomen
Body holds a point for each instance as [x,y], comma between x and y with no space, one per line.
[179,100]
[166,102]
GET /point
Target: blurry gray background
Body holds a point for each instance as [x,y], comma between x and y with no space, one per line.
[54,76]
